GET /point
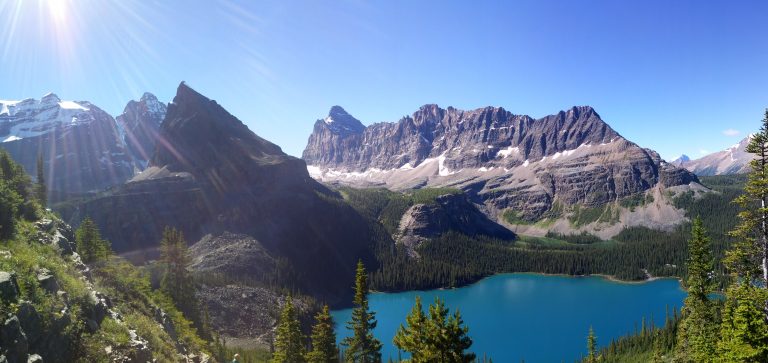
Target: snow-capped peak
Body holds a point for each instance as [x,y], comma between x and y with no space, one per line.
[30,117]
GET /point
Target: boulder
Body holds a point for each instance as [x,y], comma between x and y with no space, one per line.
[35,358]
[47,281]
[99,308]
[9,288]
[14,341]
[30,322]
[54,342]
[139,351]
[62,243]
[44,224]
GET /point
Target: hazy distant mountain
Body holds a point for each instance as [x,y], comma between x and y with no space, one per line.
[733,160]
[682,159]
[80,144]
[504,160]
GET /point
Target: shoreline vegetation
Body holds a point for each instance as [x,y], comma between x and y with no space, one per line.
[601,276]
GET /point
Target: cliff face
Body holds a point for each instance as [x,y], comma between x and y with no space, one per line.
[504,160]
[210,174]
[450,212]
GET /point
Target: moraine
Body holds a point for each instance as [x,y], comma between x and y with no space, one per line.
[533,317]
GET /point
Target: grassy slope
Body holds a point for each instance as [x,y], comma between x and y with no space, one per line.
[124,283]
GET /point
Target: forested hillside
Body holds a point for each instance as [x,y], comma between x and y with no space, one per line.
[455,259]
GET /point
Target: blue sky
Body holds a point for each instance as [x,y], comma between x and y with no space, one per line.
[674,76]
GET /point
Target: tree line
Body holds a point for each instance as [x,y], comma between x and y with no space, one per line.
[437,336]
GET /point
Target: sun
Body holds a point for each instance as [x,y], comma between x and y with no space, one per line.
[58,10]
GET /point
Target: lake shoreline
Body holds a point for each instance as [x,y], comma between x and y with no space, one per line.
[610,278]
[511,314]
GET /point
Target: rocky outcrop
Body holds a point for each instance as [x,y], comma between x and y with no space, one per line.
[232,255]
[80,144]
[733,160]
[211,174]
[501,159]
[140,126]
[246,316]
[450,212]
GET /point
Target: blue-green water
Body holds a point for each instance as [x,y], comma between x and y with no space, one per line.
[534,317]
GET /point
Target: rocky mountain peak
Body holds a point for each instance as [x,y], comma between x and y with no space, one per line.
[572,156]
[200,137]
[340,122]
[148,97]
[50,99]
[733,160]
[139,126]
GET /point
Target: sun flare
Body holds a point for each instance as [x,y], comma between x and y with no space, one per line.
[58,10]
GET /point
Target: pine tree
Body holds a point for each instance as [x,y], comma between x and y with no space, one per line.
[289,342]
[177,281]
[743,332]
[324,349]
[362,346]
[436,338]
[458,340]
[744,328]
[591,346]
[697,333]
[90,246]
[412,337]
[41,190]
[9,207]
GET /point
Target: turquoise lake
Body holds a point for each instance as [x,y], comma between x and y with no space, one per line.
[534,317]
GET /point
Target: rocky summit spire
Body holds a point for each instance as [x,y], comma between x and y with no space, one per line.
[341,122]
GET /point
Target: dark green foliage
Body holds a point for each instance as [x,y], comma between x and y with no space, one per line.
[324,349]
[387,207]
[583,238]
[176,280]
[744,332]
[455,260]
[436,337]
[130,287]
[585,215]
[90,245]
[744,329]
[10,201]
[697,334]
[592,356]
[642,345]
[362,346]
[41,191]
[289,342]
[513,217]
[636,200]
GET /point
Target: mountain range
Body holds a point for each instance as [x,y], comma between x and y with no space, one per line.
[258,217]
[83,148]
[733,160]
[504,161]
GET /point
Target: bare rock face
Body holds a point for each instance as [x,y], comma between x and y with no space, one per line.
[246,316]
[503,160]
[232,255]
[80,143]
[451,212]
[209,174]
[140,125]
